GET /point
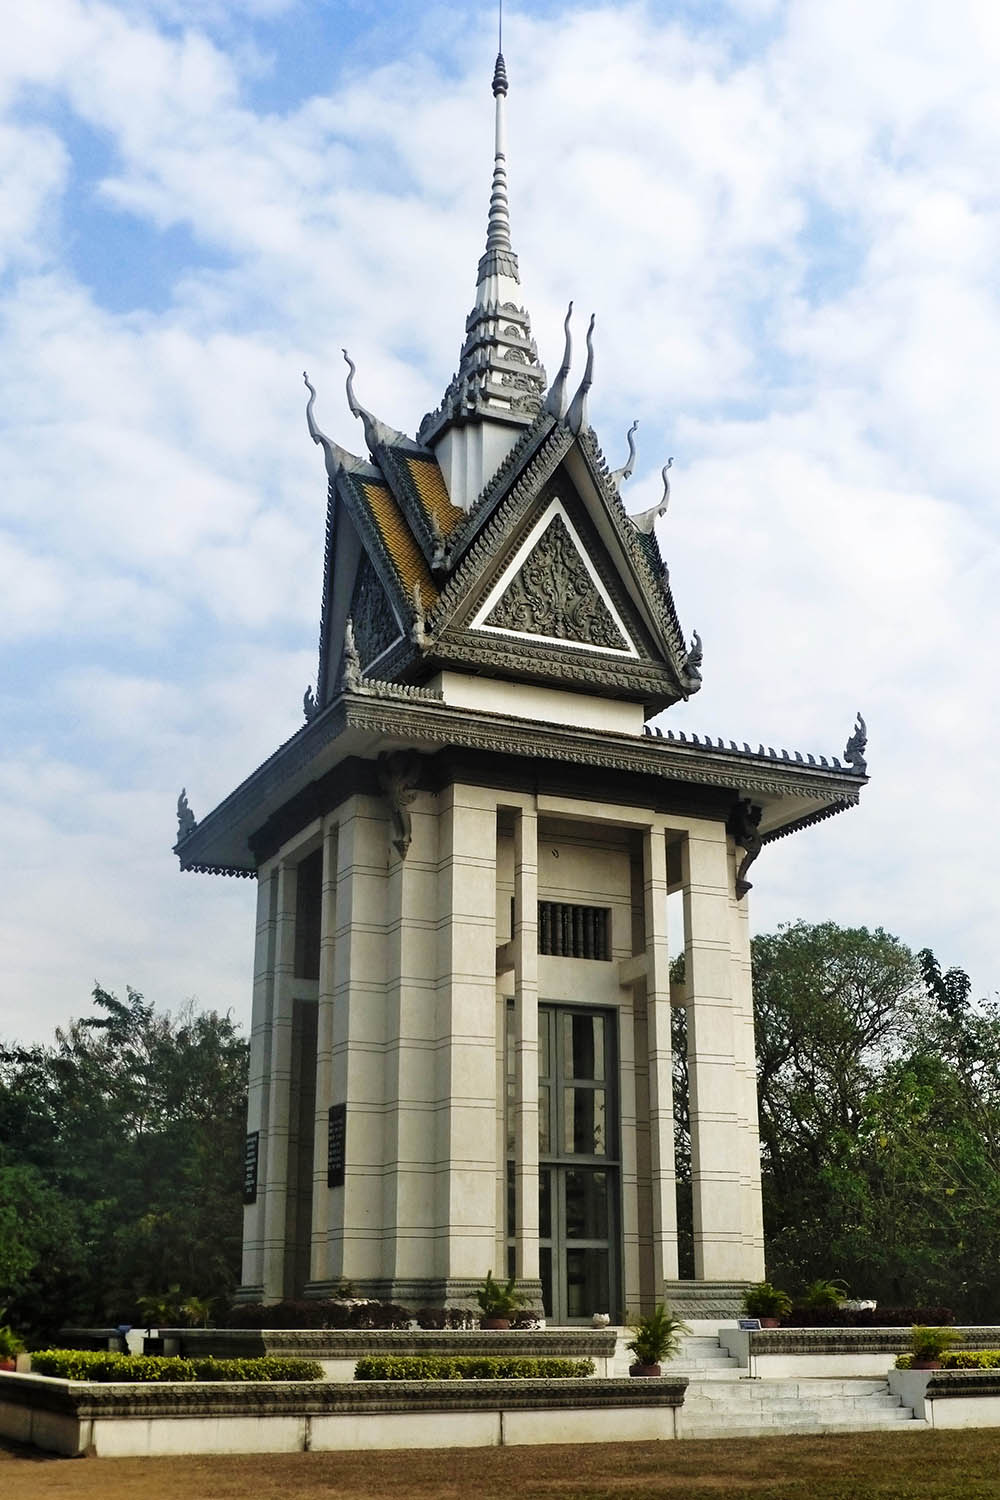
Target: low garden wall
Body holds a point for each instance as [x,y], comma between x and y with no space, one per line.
[950,1398]
[789,1353]
[77,1417]
[337,1350]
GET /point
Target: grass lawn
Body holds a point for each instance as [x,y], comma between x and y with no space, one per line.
[963,1465]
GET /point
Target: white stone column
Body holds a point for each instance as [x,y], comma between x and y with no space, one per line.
[746,1055]
[258,1097]
[525,937]
[661,1076]
[411,958]
[466,1034]
[716,1146]
[356,1071]
[321,1259]
[275,1162]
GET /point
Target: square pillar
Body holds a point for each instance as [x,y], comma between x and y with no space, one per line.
[258,1096]
[525,936]
[410,1119]
[321,1261]
[275,1152]
[661,1072]
[717,1148]
[467,1101]
[354,1212]
[746,1062]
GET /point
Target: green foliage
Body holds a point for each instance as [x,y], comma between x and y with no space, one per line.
[879,1084]
[120,1165]
[470,1367]
[89,1364]
[657,1336]
[931,1343]
[970,1359]
[499,1299]
[10,1343]
[766,1301]
[824,1293]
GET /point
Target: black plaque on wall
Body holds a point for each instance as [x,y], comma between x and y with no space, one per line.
[336,1146]
[251,1155]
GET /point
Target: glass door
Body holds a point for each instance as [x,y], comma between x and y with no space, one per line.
[578,1179]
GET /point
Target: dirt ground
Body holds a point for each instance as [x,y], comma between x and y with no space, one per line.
[921,1466]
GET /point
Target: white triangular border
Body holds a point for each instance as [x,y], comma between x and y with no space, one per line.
[555,508]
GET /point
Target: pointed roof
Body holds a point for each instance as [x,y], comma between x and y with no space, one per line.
[499,377]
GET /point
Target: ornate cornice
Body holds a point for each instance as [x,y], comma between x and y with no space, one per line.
[599,748]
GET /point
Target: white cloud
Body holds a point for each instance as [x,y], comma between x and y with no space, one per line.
[790,245]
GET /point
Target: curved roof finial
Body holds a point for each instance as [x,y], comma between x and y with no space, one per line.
[619,476]
[376,433]
[555,402]
[646,519]
[337,458]
[576,418]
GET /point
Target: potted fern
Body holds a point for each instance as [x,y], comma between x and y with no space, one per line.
[928,1344]
[498,1302]
[655,1337]
[766,1302]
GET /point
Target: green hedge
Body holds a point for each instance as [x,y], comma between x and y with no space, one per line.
[470,1367]
[959,1359]
[89,1364]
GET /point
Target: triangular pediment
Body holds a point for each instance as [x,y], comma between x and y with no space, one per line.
[551,591]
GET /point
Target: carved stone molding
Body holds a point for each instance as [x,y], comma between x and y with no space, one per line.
[375,624]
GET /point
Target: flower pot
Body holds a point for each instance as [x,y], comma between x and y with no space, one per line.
[926,1364]
[770,1322]
[639,1370]
[8,1362]
[498,1323]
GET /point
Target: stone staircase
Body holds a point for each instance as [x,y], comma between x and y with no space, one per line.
[718,1403]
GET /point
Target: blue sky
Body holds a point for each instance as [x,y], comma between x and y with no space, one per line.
[786,219]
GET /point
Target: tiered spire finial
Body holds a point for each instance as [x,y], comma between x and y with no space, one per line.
[499,377]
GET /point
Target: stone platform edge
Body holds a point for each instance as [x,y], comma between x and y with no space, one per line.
[87,1400]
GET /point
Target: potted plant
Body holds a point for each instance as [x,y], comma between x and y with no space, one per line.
[10,1347]
[654,1338]
[498,1301]
[766,1302]
[928,1344]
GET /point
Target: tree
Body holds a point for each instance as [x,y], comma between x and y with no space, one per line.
[128,1131]
[879,1086]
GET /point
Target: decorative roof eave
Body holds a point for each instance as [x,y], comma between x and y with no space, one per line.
[654,586]
[374,543]
[380,712]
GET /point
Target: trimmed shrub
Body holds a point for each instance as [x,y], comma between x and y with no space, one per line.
[879,1317]
[87,1364]
[435,1318]
[971,1359]
[470,1367]
[318,1314]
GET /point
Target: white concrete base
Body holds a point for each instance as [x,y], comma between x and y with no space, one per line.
[941,1407]
[117,1421]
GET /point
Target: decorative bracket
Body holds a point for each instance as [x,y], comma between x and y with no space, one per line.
[398,774]
[744,826]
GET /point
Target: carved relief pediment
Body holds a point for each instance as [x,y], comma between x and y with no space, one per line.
[550,591]
[375,624]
